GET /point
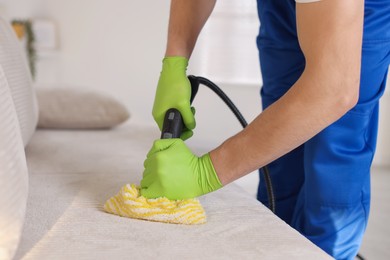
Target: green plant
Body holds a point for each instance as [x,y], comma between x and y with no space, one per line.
[30,37]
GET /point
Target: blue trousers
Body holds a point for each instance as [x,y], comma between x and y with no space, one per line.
[322,188]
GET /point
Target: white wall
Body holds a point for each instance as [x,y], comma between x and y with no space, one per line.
[382,156]
[20,8]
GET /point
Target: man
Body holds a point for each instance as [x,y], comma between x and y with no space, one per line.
[323,78]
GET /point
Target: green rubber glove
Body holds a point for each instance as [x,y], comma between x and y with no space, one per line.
[173,171]
[174,91]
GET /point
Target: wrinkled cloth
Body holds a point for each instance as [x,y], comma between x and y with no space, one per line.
[129,203]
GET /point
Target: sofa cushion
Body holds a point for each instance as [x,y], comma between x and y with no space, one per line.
[67,108]
[74,172]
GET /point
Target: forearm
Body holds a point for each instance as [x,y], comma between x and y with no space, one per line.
[187,18]
[299,115]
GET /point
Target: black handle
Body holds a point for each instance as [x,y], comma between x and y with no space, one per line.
[173,124]
[173,121]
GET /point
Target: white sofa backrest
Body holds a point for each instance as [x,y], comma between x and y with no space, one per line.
[13,174]
[17,74]
[18,119]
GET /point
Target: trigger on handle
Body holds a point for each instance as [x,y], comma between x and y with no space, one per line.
[173,124]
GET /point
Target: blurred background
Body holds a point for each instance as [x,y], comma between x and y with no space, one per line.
[116,46]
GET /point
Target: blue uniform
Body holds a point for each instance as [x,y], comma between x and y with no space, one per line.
[322,188]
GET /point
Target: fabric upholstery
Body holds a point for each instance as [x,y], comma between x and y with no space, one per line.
[13,174]
[18,119]
[18,76]
[74,172]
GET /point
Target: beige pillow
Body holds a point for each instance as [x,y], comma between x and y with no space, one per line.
[64,108]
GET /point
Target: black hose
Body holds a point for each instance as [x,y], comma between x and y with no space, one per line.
[270,190]
[360,257]
[195,81]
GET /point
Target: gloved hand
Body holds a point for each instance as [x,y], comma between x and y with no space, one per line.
[173,171]
[174,91]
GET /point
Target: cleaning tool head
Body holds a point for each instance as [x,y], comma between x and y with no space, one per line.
[129,203]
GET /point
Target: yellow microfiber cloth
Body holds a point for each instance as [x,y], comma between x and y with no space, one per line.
[129,203]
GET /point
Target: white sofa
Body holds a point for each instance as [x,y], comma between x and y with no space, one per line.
[72,173]
[18,119]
